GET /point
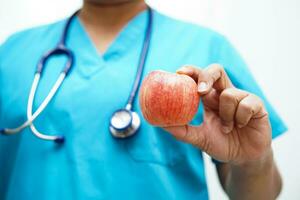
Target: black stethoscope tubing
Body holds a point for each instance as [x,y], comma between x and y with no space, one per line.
[61,49]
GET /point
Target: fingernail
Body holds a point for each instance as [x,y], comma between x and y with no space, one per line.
[181,70]
[226,129]
[202,87]
[240,125]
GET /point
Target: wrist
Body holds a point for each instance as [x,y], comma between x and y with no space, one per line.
[257,179]
[264,163]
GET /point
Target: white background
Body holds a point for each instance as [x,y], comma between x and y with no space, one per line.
[266,32]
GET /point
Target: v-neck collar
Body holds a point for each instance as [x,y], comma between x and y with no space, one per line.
[84,46]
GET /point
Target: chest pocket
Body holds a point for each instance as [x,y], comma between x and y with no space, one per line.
[154,145]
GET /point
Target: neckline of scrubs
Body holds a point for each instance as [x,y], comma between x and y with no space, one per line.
[120,45]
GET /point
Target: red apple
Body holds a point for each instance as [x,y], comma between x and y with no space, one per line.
[168,99]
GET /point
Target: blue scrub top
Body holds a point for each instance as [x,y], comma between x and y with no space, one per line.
[92,164]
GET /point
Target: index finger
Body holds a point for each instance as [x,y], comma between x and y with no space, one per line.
[214,76]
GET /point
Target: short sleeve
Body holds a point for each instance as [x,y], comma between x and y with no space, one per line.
[1,85]
[3,49]
[242,78]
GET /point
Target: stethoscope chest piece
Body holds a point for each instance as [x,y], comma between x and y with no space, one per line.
[124,123]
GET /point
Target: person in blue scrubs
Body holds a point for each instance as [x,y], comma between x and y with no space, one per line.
[106,38]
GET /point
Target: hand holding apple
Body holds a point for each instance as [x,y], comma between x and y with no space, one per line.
[236,126]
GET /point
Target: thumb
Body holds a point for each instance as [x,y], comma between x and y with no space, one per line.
[194,135]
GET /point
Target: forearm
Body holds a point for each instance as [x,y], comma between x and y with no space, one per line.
[256,180]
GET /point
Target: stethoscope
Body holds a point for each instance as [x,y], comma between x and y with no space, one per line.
[123,123]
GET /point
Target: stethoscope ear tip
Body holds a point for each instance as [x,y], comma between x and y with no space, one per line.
[59,140]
